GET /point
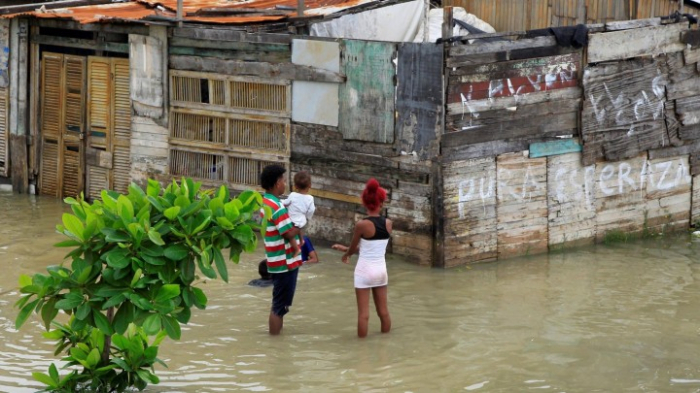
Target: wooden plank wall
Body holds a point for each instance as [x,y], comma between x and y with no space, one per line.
[634,115]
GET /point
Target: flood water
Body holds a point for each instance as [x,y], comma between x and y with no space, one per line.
[616,318]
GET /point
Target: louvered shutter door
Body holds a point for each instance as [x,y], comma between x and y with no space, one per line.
[4,134]
[73,125]
[122,126]
[99,122]
[51,122]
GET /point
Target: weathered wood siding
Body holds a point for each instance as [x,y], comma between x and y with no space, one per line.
[341,162]
[631,129]
[518,15]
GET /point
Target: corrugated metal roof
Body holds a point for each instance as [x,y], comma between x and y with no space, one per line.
[201,11]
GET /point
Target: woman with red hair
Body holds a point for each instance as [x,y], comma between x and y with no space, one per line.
[370,237]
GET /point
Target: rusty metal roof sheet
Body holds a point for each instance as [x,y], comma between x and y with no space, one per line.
[201,11]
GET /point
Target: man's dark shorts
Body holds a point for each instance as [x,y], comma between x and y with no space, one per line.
[285,284]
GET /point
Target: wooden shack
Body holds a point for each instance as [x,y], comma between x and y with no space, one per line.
[508,145]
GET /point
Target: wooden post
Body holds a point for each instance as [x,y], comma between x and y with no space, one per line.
[179,13]
[438,252]
[19,32]
[300,7]
[682,6]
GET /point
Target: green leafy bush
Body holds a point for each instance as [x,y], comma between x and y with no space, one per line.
[133,272]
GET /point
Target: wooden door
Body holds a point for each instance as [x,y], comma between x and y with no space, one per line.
[109,126]
[62,125]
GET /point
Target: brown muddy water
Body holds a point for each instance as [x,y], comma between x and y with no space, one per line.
[619,318]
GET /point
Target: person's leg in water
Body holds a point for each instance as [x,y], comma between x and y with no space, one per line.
[362,295]
[282,298]
[381,303]
[275,322]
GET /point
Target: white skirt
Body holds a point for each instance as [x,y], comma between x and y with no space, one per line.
[371,273]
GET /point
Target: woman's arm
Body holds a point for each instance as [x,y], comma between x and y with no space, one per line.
[356,235]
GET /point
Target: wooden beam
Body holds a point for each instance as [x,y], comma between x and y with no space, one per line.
[101,27]
[231,35]
[19,114]
[285,71]
[66,42]
[228,45]
[336,196]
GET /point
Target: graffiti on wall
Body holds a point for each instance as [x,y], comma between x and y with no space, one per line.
[577,184]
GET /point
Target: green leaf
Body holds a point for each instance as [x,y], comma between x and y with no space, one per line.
[71,301]
[154,260]
[182,201]
[152,249]
[153,188]
[176,252]
[84,275]
[125,209]
[53,373]
[93,358]
[67,243]
[137,275]
[200,299]
[117,258]
[155,237]
[172,327]
[167,292]
[112,302]
[147,376]
[123,317]
[24,313]
[224,223]
[243,233]
[216,205]
[172,212]
[102,323]
[205,265]
[24,280]
[155,202]
[187,270]
[46,380]
[220,263]
[115,236]
[49,312]
[122,364]
[232,212]
[83,311]
[152,324]
[74,226]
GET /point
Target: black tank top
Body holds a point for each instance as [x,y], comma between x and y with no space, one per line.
[380,231]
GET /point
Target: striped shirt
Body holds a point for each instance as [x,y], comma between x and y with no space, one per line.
[279,252]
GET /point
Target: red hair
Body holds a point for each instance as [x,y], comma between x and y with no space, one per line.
[373,195]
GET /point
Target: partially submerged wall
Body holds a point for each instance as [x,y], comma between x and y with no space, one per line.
[521,178]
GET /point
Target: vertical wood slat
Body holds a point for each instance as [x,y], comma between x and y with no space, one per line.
[74,125]
[122,125]
[51,123]
[100,102]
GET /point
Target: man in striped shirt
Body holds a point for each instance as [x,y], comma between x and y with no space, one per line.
[281,248]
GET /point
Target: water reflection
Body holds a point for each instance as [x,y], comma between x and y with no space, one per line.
[616,318]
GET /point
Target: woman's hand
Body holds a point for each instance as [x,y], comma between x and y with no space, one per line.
[346,258]
[339,247]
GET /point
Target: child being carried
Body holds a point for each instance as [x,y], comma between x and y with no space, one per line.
[300,204]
